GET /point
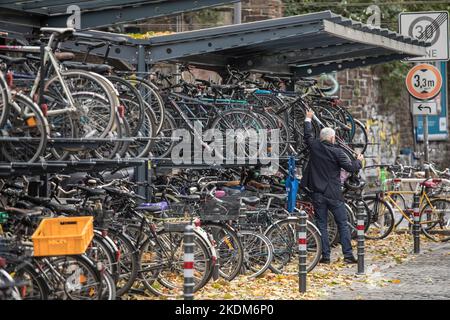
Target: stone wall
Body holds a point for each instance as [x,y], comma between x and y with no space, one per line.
[389,128]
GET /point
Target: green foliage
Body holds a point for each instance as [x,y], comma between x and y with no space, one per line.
[392,74]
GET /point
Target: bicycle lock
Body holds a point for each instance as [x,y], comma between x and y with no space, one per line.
[416,224]
[188,265]
[302,243]
[361,216]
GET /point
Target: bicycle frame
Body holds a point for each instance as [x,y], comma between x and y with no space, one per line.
[48,57]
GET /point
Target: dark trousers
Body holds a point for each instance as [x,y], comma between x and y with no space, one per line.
[321,206]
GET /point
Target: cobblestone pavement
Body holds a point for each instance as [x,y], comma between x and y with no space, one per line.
[425,276]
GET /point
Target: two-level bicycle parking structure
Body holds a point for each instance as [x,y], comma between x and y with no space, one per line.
[88,118]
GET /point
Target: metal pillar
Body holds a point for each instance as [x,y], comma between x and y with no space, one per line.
[302,252]
[237,13]
[142,172]
[361,215]
[188,262]
[416,224]
[426,145]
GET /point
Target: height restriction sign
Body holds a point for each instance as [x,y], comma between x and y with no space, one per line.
[424,81]
[432,27]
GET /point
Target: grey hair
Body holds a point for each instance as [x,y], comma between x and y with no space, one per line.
[326,134]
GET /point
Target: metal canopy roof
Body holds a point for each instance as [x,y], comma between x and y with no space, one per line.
[300,45]
[295,44]
[94,13]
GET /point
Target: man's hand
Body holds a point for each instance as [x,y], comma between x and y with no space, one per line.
[309,114]
[360,157]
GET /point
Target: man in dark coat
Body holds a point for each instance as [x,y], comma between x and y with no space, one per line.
[322,177]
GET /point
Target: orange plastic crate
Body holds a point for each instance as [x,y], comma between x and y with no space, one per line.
[63,236]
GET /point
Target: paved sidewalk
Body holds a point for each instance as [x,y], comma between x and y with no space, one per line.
[425,276]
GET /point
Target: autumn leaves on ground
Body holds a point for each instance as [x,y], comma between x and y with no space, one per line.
[324,279]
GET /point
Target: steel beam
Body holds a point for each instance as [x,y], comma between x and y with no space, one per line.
[123,14]
[311,70]
[335,52]
[128,53]
[15,17]
[170,50]
[372,38]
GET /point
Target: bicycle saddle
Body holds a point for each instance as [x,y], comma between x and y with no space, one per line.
[193,197]
[275,195]
[62,208]
[97,68]
[64,56]
[153,207]
[91,192]
[430,184]
[91,45]
[231,191]
[250,200]
[59,31]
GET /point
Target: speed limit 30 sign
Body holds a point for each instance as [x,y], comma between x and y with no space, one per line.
[424,81]
[432,27]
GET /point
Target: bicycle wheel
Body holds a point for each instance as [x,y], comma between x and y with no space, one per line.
[5,98]
[360,140]
[258,253]
[283,236]
[243,125]
[380,222]
[94,117]
[35,288]
[435,219]
[150,94]
[26,123]
[128,267]
[73,278]
[132,101]
[108,286]
[164,144]
[141,148]
[230,252]
[162,264]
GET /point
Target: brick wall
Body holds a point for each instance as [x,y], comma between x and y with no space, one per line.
[390,128]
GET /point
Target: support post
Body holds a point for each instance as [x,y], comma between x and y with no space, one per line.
[302,252]
[141,172]
[188,262]
[361,216]
[426,145]
[416,224]
[237,13]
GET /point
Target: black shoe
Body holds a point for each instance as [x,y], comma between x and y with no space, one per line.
[350,260]
[325,260]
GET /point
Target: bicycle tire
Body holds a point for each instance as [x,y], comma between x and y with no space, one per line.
[314,245]
[374,218]
[133,102]
[267,255]
[442,219]
[128,263]
[228,243]
[24,120]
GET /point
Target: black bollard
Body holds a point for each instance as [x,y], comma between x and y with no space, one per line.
[302,251]
[361,215]
[189,262]
[416,224]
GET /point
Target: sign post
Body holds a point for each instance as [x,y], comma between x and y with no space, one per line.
[424,81]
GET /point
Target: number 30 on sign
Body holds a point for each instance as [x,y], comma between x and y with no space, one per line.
[424,81]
